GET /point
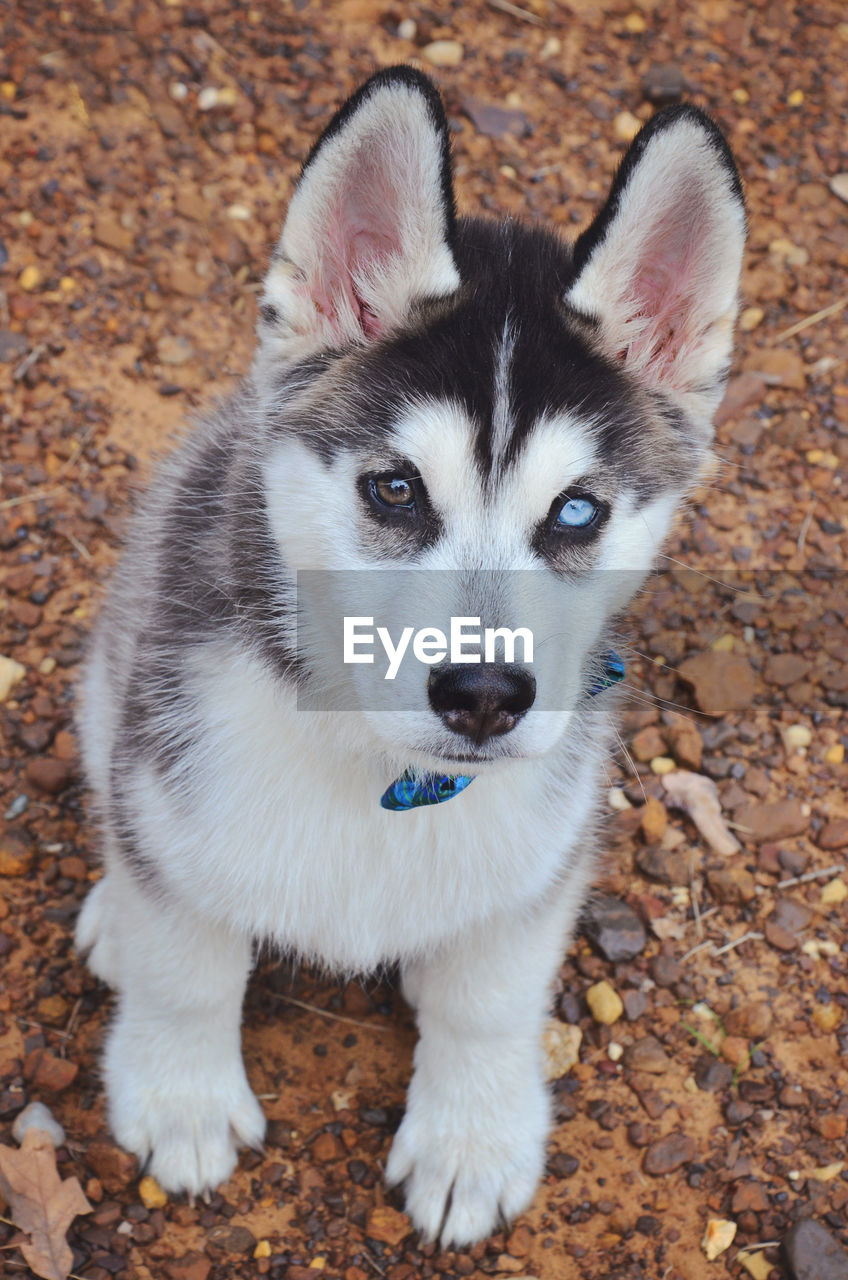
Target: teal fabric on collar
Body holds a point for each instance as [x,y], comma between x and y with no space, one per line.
[417,790]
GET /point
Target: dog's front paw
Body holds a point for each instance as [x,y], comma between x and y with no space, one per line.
[185,1119]
[467,1170]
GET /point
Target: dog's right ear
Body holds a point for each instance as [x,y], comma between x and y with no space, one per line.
[370,224]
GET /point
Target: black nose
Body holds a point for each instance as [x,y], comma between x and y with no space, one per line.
[482,701]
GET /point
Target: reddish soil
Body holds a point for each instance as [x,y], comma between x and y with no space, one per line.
[135,230]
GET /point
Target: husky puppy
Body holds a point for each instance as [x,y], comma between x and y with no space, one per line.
[429,393]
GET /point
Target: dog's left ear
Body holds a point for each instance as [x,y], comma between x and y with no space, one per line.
[659,267]
[370,224]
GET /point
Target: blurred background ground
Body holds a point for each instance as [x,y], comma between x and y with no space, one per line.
[148,150]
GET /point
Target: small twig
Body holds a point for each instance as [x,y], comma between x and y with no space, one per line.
[506,7]
[325,1013]
[811,875]
[39,1026]
[374,1264]
[69,1025]
[810,320]
[77,545]
[751,936]
[693,951]
[28,361]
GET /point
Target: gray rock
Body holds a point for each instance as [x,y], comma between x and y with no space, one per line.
[814,1254]
[614,928]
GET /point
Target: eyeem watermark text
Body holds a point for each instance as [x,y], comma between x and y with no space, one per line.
[466,642]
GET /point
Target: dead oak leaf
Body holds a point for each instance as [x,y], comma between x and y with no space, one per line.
[40,1204]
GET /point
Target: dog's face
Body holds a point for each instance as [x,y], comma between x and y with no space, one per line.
[495,424]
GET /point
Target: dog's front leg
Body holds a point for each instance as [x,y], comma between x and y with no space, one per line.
[471,1148]
[178,1093]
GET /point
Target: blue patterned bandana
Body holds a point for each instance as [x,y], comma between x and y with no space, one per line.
[416,790]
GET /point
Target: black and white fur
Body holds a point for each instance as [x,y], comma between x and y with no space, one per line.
[505,369]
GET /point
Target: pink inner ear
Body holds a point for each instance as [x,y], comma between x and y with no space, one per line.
[662,297]
[361,236]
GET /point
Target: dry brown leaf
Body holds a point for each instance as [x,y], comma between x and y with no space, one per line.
[41,1204]
[698,796]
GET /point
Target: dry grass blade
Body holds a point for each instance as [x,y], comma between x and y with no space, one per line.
[516,11]
[41,1205]
[808,321]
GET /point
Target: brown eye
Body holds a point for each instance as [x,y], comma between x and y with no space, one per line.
[393,491]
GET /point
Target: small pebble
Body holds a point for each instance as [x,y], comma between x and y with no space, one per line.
[443,53]
[615,1051]
[16,808]
[37,1116]
[151,1194]
[407,29]
[30,278]
[560,1048]
[626,126]
[178,91]
[795,98]
[835,754]
[263,1249]
[604,1003]
[635,24]
[750,318]
[795,736]
[11,674]
[618,801]
[662,764]
[834,892]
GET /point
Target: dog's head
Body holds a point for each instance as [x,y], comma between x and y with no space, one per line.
[444,394]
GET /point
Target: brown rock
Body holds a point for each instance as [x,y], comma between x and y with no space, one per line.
[667,866]
[191,1266]
[784,669]
[654,820]
[741,391]
[73,868]
[834,835]
[494,121]
[520,1242]
[49,774]
[388,1225]
[48,1072]
[648,743]
[668,1153]
[749,1197]
[65,746]
[732,885]
[109,232]
[114,1167]
[778,367]
[16,855]
[775,821]
[779,938]
[180,277]
[753,1020]
[721,681]
[647,1055]
[327,1147]
[191,204]
[686,744]
[734,1049]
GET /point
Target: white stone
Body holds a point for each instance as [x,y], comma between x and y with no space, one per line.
[37,1116]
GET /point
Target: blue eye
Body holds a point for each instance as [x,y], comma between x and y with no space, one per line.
[578,513]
